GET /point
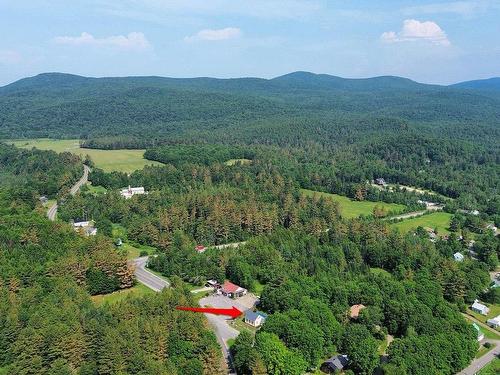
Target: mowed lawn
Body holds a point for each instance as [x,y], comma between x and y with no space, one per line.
[108,160]
[350,209]
[439,220]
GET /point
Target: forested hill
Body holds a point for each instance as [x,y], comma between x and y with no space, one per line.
[481,84]
[64,105]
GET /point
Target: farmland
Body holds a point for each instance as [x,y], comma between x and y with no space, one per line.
[350,209]
[109,160]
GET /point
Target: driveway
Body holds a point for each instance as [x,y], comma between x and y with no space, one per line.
[222,329]
[477,364]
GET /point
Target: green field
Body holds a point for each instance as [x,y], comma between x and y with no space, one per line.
[350,209]
[439,220]
[108,160]
[234,161]
[138,290]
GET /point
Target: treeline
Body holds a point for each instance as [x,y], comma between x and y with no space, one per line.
[202,154]
[49,325]
[40,172]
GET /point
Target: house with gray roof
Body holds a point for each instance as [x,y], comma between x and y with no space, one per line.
[335,364]
[255,318]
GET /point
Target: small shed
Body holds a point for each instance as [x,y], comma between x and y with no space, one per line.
[459,257]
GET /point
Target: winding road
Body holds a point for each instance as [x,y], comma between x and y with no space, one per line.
[148,278]
[51,213]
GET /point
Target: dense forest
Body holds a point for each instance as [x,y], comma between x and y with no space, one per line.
[38,172]
[49,325]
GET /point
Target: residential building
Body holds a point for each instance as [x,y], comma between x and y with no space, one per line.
[480,308]
[212,284]
[130,192]
[494,322]
[380,181]
[355,310]
[231,290]
[255,318]
[200,248]
[459,257]
[85,227]
[335,364]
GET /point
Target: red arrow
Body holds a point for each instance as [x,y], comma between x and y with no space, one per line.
[233,313]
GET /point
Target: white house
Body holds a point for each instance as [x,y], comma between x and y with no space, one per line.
[130,192]
[480,308]
[85,227]
[494,322]
[459,257]
[255,318]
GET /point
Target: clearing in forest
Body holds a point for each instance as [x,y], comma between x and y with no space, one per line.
[439,220]
[109,160]
[350,209]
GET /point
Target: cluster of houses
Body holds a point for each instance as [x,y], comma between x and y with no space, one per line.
[479,308]
[131,191]
[86,228]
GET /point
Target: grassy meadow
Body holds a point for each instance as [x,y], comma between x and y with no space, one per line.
[439,220]
[350,209]
[138,290]
[109,160]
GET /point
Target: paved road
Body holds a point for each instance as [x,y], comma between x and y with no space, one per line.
[223,331]
[51,213]
[148,278]
[479,363]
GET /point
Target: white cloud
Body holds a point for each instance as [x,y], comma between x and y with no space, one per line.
[215,34]
[414,30]
[10,57]
[132,41]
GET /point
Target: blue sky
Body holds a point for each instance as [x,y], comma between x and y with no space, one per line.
[429,41]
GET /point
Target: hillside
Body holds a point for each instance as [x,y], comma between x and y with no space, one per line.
[69,106]
[481,84]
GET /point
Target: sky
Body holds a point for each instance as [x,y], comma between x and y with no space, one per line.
[428,41]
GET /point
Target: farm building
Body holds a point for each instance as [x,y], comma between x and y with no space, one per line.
[130,192]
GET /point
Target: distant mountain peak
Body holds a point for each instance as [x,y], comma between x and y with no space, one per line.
[480,84]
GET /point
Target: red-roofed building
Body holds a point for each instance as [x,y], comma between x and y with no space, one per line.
[200,248]
[232,290]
